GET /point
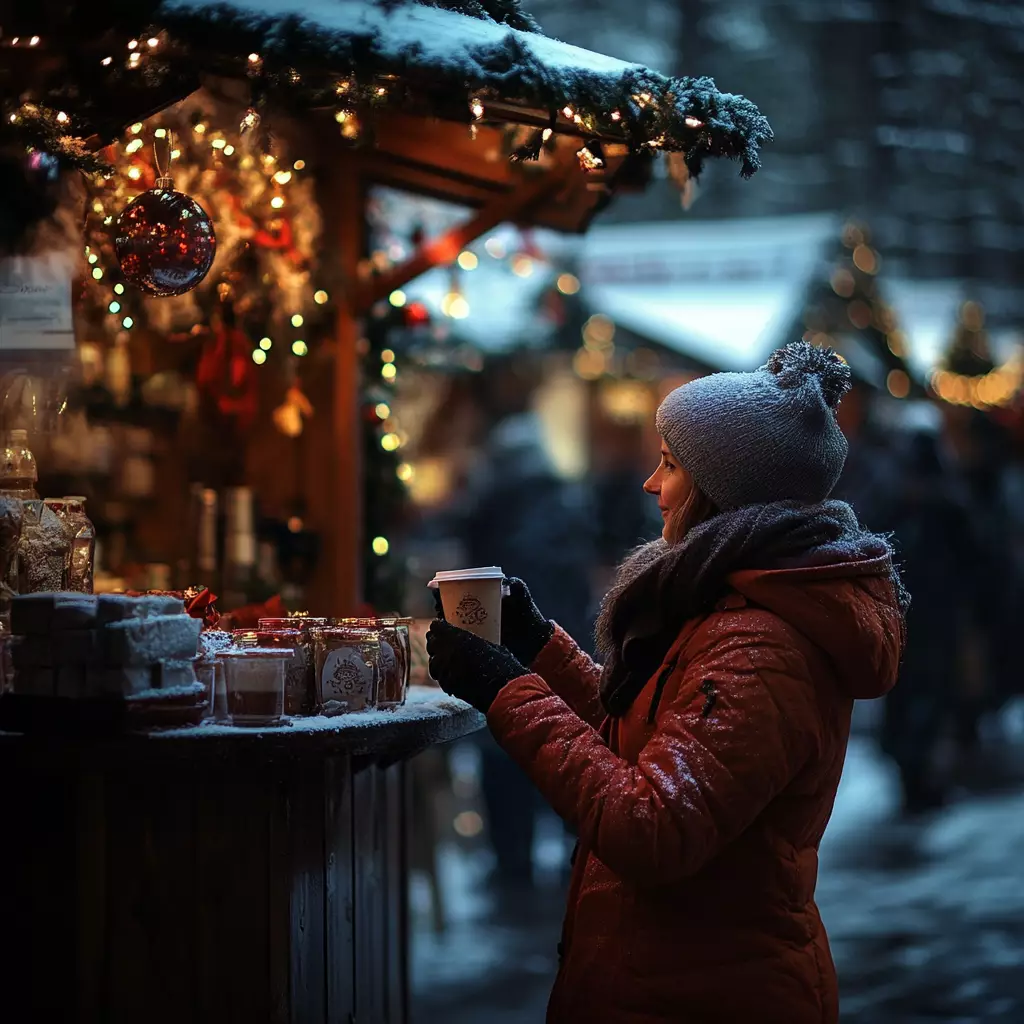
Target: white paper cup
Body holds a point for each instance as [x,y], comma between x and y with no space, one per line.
[471,599]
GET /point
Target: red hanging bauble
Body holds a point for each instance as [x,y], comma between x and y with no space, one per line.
[164,241]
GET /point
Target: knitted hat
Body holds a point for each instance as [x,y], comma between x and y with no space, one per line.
[770,435]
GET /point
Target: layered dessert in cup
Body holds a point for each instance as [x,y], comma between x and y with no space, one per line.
[254,679]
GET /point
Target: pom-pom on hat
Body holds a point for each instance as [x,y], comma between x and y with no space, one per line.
[770,435]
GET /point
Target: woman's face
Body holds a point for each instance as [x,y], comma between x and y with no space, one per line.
[670,484]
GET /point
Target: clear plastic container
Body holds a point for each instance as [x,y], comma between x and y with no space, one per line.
[254,679]
[83,547]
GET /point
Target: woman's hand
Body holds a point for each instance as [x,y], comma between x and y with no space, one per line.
[524,630]
[469,667]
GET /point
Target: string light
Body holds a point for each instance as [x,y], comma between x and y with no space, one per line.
[277,202]
[522,266]
[405,472]
[136,128]
[397,298]
[119,289]
[616,115]
[62,118]
[390,442]
[320,297]
[250,120]
[199,128]
[468,260]
[107,61]
[114,307]
[299,347]
[389,371]
[692,122]
[97,274]
[132,44]
[134,173]
[476,108]
[93,258]
[219,143]
[546,134]
[387,356]
[266,344]
[297,320]
[380,546]
[134,146]
[283,177]
[299,165]
[568,284]
[34,41]
[127,323]
[259,357]
[383,410]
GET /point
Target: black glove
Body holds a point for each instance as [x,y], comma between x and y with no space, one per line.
[469,667]
[524,630]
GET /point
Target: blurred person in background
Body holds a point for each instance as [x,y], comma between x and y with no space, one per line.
[928,509]
[700,764]
[517,512]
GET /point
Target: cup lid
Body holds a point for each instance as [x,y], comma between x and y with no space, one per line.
[487,572]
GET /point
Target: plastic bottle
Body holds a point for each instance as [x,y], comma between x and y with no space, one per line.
[18,474]
[83,546]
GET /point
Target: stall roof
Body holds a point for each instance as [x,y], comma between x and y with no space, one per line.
[719,291]
[393,54]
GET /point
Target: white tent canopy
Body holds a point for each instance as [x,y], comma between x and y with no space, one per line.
[722,292]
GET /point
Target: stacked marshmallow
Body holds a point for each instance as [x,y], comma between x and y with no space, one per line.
[107,645]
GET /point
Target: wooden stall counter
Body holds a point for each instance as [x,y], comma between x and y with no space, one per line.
[214,874]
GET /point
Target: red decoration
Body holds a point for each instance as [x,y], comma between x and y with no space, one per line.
[164,241]
[227,374]
[416,314]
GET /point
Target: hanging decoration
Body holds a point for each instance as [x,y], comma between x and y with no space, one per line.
[164,240]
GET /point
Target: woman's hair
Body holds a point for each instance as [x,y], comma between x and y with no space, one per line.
[697,508]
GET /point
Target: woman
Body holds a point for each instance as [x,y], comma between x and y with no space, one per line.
[700,764]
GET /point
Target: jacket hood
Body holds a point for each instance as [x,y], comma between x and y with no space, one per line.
[848,609]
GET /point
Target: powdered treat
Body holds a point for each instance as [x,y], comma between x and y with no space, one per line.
[254,677]
[213,641]
[148,641]
[36,614]
[472,599]
[116,607]
[62,647]
[39,682]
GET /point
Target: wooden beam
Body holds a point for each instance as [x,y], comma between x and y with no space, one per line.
[334,486]
[444,249]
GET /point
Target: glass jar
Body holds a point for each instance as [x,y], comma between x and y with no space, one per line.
[294,631]
[83,547]
[44,550]
[18,471]
[348,667]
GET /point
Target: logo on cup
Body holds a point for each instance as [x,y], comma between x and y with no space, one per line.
[470,611]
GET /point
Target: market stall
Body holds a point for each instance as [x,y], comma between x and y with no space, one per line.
[183,845]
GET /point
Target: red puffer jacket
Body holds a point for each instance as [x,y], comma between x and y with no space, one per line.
[692,896]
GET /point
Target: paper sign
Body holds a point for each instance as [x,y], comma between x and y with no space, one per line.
[35,303]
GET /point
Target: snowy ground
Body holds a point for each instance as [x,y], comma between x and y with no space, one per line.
[926,921]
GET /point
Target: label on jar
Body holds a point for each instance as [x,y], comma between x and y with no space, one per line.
[346,677]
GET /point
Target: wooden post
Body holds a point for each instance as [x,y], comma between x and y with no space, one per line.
[337,583]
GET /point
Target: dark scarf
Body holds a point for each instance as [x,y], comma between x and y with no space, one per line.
[660,586]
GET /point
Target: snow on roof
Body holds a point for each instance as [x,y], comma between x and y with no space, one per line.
[721,292]
[402,37]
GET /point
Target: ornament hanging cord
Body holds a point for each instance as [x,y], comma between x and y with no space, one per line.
[163,174]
